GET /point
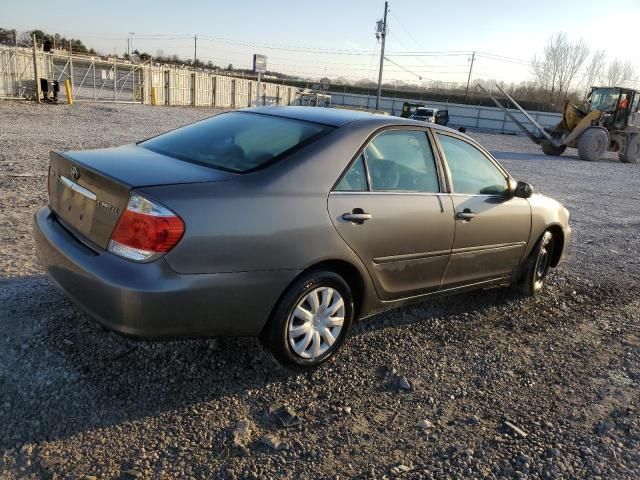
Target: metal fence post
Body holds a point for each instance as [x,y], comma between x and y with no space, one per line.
[169,99]
[233,93]
[214,81]
[35,69]
[194,90]
[71,70]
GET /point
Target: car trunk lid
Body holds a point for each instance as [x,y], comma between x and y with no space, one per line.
[88,190]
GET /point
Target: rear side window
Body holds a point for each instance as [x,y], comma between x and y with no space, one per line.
[355,180]
[237,142]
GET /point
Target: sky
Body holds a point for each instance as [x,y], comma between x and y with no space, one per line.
[427,40]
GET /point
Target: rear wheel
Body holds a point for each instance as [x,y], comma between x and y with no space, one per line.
[311,321]
[592,144]
[536,267]
[549,148]
[632,152]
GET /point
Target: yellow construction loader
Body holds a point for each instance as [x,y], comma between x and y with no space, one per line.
[609,121]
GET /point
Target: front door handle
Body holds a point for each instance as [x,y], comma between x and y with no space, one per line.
[356,217]
[466,214]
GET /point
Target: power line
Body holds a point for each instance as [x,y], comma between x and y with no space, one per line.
[403,68]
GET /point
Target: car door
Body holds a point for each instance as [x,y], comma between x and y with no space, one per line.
[389,208]
[492,227]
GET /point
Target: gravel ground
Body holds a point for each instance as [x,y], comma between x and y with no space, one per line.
[489,385]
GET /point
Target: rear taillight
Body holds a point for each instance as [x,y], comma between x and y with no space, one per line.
[145,230]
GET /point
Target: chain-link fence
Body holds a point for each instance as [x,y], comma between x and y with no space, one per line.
[97,79]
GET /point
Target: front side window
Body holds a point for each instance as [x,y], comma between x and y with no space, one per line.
[401,160]
[237,142]
[471,171]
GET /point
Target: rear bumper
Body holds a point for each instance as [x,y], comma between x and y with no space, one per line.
[150,299]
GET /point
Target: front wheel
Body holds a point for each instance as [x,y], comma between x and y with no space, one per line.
[592,144]
[536,267]
[311,321]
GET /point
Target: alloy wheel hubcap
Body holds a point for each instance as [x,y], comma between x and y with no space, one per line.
[316,322]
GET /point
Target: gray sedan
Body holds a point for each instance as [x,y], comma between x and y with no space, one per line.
[288,224]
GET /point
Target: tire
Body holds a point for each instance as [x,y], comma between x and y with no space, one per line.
[549,148]
[632,153]
[592,144]
[536,267]
[287,328]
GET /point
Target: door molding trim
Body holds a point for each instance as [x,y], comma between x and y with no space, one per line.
[409,256]
[487,248]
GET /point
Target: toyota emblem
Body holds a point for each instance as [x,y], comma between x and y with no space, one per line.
[75,174]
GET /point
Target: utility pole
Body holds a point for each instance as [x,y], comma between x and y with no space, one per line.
[473,57]
[195,49]
[130,44]
[382,32]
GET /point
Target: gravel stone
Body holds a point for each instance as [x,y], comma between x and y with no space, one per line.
[403,383]
[424,424]
[274,442]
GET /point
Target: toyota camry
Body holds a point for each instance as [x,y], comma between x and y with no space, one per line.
[288,224]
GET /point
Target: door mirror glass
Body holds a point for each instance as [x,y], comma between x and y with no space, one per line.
[523,190]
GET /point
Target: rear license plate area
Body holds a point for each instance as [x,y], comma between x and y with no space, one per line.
[76,206]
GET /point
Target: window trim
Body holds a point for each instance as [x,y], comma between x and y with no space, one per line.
[443,183]
[508,178]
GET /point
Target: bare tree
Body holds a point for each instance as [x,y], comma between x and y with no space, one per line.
[555,71]
[594,71]
[620,74]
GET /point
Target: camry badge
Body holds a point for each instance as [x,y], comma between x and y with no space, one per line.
[75,174]
[108,206]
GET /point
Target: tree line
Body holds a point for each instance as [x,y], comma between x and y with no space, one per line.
[565,70]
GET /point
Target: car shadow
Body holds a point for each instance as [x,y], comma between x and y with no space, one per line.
[440,307]
[61,373]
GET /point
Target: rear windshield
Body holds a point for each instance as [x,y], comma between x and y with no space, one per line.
[237,142]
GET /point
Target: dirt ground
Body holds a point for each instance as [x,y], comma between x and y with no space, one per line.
[499,386]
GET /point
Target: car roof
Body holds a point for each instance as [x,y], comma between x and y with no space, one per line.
[334,117]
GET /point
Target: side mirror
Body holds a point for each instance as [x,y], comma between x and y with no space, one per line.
[523,190]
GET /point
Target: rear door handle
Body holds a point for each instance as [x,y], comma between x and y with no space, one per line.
[466,214]
[356,217]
